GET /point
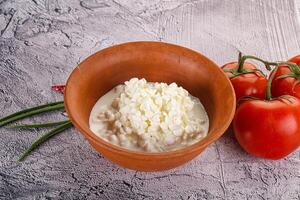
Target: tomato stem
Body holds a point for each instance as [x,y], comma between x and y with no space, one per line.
[268,65]
[243,58]
[269,84]
[241,62]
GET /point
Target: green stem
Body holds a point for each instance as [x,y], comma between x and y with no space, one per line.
[245,57]
[44,138]
[31,111]
[51,124]
[269,84]
[241,63]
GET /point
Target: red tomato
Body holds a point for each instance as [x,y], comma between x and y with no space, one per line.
[288,85]
[268,128]
[247,84]
[295,59]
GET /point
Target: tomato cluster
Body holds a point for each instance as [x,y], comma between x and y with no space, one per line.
[267,118]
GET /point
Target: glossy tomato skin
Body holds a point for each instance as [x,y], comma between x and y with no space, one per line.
[286,86]
[251,84]
[295,59]
[268,129]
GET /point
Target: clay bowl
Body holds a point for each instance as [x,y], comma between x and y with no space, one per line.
[157,62]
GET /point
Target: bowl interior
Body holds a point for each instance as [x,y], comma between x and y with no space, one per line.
[156,62]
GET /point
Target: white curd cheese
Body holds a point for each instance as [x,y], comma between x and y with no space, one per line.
[146,116]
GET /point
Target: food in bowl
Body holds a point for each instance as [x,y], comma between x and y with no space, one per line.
[156,62]
[147,116]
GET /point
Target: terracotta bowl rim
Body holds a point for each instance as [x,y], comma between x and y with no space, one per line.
[120,150]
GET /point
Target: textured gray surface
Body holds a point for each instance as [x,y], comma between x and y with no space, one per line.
[43,40]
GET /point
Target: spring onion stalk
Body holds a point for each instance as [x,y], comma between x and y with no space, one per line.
[31,111]
[27,126]
[44,138]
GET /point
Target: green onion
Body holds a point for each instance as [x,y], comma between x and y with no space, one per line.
[31,111]
[51,124]
[44,138]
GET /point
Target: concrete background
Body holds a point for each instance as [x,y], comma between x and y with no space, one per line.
[43,40]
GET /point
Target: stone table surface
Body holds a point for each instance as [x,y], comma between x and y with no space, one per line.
[43,40]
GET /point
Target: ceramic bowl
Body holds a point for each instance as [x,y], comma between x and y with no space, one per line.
[156,62]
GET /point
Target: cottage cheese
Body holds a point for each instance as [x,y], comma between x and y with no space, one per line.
[151,117]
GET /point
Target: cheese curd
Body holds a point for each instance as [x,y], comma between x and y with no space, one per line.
[146,116]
